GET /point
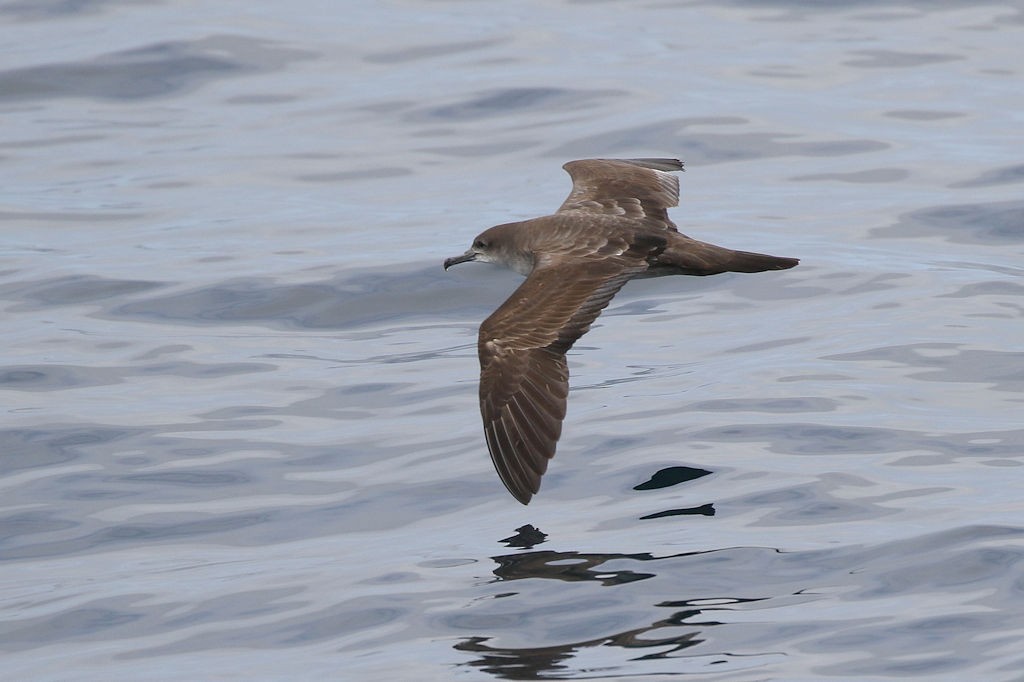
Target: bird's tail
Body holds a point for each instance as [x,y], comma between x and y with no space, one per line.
[748,261]
[686,256]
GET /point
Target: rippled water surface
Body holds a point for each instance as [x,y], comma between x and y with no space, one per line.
[241,437]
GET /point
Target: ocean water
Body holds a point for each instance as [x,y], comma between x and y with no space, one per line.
[240,434]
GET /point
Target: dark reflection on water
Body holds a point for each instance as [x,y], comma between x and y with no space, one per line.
[672,636]
[526,537]
[702,510]
[567,566]
[721,606]
[669,636]
[670,476]
[547,662]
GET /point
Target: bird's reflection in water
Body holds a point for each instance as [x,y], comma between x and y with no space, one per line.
[567,566]
[526,537]
[679,630]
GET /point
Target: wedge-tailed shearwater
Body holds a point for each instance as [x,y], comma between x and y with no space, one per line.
[614,226]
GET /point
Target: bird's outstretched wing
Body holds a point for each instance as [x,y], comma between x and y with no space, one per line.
[642,189]
[524,379]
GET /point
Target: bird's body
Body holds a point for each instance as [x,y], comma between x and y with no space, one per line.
[613,227]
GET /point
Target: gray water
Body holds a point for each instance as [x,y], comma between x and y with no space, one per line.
[240,433]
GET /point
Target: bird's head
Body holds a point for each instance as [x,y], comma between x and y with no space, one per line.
[499,245]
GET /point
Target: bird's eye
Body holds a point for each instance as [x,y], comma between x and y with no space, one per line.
[479,244]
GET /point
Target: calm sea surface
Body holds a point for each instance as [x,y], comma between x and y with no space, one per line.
[240,437]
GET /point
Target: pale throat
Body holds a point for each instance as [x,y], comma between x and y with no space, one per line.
[514,259]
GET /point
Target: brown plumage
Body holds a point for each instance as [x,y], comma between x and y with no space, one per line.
[613,227]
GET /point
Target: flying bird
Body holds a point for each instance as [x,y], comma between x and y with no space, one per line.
[613,227]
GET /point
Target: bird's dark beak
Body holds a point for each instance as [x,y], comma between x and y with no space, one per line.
[464,258]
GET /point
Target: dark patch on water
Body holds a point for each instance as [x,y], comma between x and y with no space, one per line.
[422,52]
[889,59]
[1004,371]
[513,102]
[877,175]
[74,290]
[670,476]
[155,70]
[998,222]
[1007,175]
[702,510]
[42,10]
[707,147]
[526,537]
[63,377]
[36,448]
[353,300]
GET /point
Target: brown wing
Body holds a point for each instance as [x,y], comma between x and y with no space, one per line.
[637,188]
[524,380]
